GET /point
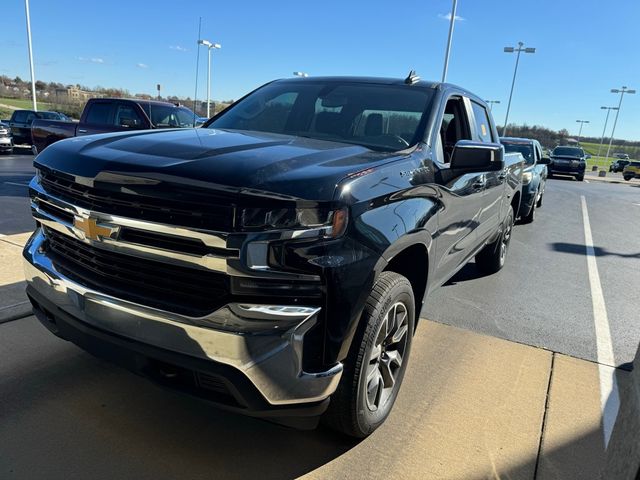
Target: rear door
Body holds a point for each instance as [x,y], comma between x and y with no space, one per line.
[21,126]
[100,118]
[461,195]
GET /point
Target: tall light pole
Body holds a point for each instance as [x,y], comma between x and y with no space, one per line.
[606,120]
[33,78]
[300,74]
[581,122]
[621,91]
[210,46]
[452,21]
[491,102]
[520,49]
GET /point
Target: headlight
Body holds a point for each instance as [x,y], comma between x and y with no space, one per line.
[335,221]
[527,177]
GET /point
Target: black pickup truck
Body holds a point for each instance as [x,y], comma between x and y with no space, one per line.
[103,115]
[21,122]
[276,260]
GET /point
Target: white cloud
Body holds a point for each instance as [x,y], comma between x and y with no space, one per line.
[178,48]
[92,60]
[447,17]
[142,65]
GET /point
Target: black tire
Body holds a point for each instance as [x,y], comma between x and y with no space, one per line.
[539,202]
[580,178]
[492,258]
[531,216]
[353,409]
[627,178]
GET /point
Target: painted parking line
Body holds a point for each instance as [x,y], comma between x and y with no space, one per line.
[609,395]
[586,181]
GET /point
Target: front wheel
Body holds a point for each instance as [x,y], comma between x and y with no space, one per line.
[376,363]
[580,178]
[627,178]
[539,202]
[491,258]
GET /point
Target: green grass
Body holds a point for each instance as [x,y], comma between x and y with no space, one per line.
[23,103]
[601,161]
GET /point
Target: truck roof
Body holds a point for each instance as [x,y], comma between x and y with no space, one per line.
[137,100]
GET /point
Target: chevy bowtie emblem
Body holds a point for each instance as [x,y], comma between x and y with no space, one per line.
[91,229]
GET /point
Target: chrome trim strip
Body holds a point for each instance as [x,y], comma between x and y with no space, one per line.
[271,359]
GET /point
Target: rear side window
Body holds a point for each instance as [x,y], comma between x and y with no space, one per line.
[20,117]
[483,127]
[100,113]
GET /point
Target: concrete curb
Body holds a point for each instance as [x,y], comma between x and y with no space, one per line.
[15,311]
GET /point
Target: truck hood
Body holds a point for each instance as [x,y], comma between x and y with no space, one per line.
[296,167]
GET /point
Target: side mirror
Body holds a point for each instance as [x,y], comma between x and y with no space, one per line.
[544,161]
[587,156]
[469,157]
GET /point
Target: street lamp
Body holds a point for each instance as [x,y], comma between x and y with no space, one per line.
[520,49]
[210,46]
[581,122]
[33,78]
[491,102]
[606,120]
[452,21]
[300,74]
[621,91]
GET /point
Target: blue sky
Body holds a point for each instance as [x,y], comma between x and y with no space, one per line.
[584,48]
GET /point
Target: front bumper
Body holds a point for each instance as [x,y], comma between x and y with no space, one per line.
[271,361]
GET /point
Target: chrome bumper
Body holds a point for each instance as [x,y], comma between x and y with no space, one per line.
[271,359]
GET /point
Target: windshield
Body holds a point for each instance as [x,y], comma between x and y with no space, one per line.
[167,116]
[569,151]
[386,117]
[526,149]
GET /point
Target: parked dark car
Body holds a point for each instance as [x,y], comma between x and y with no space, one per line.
[618,165]
[534,177]
[568,161]
[276,260]
[21,121]
[103,115]
[622,156]
[6,140]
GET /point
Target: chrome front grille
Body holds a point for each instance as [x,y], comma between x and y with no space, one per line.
[169,205]
[187,291]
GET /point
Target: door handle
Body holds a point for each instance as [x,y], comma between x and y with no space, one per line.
[502,175]
[479,184]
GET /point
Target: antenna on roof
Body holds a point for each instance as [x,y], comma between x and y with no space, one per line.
[412,78]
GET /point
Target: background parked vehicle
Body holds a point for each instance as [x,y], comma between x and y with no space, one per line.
[299,231]
[534,176]
[618,165]
[632,170]
[568,161]
[6,140]
[622,156]
[22,120]
[103,115]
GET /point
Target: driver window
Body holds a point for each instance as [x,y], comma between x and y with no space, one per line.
[454,127]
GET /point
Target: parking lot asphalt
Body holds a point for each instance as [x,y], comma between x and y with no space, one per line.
[472,406]
[543,297]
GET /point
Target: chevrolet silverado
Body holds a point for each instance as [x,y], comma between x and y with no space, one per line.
[275,261]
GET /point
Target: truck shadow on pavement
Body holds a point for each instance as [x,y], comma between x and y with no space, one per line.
[579,249]
[469,272]
[118,425]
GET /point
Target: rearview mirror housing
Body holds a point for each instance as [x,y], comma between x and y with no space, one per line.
[468,156]
[544,161]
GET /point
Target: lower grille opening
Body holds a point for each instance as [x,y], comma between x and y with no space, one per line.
[187,291]
[205,385]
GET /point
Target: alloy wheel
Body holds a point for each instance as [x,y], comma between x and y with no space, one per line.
[386,356]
